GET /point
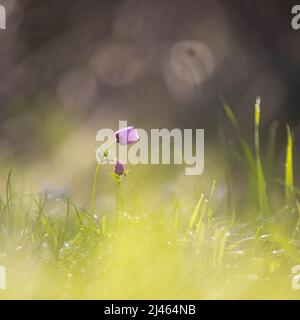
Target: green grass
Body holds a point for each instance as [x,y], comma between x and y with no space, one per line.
[231,233]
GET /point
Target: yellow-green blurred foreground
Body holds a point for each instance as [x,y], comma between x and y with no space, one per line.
[231,233]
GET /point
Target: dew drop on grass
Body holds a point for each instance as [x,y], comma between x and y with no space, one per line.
[239,252]
[265,236]
[278,252]
[66,245]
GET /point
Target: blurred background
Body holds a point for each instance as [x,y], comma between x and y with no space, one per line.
[70,68]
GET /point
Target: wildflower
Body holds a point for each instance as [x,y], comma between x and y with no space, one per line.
[119,168]
[127,135]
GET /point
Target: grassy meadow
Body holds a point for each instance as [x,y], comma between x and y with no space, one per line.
[231,233]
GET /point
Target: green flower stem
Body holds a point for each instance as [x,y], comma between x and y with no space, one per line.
[95,185]
[120,201]
[105,154]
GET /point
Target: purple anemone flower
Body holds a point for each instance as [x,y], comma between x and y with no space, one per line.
[127,135]
[119,168]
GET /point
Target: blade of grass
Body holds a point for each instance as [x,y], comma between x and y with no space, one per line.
[210,209]
[245,147]
[261,184]
[8,192]
[195,213]
[289,176]
[298,223]
[271,152]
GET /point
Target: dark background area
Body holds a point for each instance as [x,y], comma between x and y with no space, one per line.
[153,63]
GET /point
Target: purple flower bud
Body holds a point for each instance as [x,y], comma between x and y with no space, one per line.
[127,135]
[119,168]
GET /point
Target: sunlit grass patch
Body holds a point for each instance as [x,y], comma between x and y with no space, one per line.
[170,236]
